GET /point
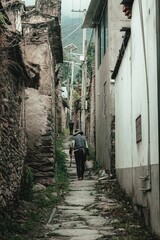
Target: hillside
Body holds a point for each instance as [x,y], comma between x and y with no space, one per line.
[72,32]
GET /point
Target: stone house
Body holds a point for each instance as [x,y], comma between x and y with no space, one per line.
[42,51]
[17,74]
[13,80]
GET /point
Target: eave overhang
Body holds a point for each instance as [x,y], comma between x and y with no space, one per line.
[93,14]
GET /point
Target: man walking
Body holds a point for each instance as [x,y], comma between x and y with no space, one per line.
[80,151]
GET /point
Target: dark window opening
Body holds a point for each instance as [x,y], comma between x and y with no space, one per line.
[138,129]
[103,34]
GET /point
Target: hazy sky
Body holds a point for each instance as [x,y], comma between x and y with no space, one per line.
[68,5]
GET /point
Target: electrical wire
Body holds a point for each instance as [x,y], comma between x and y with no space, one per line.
[69,28]
[72,32]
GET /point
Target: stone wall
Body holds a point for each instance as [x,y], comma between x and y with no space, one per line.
[42,50]
[40,130]
[49,7]
[12,138]
[40,102]
[14,10]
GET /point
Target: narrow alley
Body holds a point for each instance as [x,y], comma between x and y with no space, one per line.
[77,218]
[89,69]
[88,213]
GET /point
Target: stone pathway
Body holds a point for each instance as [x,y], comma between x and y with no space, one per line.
[79,218]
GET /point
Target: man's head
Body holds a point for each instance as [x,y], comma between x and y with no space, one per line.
[77,131]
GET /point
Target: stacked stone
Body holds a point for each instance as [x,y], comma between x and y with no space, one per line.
[42,34]
[52,7]
[43,160]
[12,141]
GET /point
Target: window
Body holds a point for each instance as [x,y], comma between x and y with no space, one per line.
[102,34]
[138,129]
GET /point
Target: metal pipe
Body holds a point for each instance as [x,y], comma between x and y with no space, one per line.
[148,177]
[158,75]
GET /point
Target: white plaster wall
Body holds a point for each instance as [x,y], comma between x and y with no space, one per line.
[116,20]
[139,81]
[131,93]
[123,113]
[131,101]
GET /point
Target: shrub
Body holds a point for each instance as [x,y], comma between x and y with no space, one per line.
[26,184]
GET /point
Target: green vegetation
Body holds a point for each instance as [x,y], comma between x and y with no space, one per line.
[36,207]
[27,183]
[69,35]
[2,21]
[90,58]
[61,177]
[92,156]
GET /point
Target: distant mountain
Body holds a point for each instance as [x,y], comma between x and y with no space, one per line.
[72,32]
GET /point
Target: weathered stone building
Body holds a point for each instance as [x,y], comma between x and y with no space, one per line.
[13,79]
[42,52]
[27,119]
[14,10]
[49,7]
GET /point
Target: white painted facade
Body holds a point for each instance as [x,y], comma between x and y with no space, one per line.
[131,101]
[131,93]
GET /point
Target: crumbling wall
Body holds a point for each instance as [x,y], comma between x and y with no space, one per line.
[42,50]
[40,102]
[40,135]
[49,7]
[12,138]
[14,9]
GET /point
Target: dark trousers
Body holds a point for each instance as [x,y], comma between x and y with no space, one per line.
[71,131]
[80,162]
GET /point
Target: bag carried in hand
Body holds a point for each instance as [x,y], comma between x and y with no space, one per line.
[89,164]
